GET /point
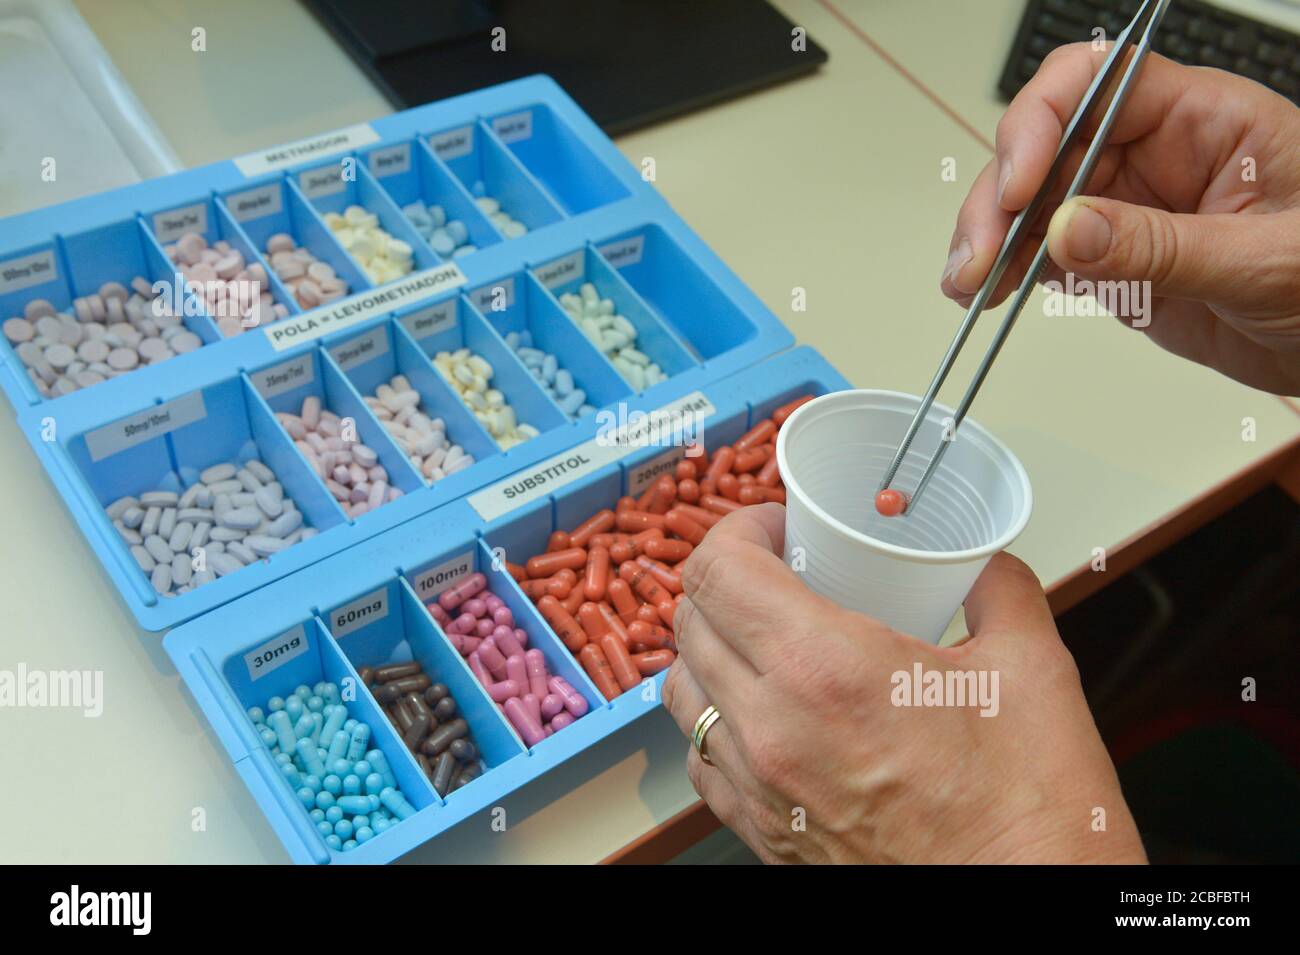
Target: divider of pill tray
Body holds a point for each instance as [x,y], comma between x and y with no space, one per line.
[336,601]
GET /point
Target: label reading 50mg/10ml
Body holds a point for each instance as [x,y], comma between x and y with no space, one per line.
[276,652]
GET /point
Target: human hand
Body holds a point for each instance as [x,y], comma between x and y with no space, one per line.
[813,762]
[1197,192]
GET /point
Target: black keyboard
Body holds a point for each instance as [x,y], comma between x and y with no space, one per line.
[1197,34]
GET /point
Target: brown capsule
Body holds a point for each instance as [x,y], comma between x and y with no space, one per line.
[416,683]
[416,732]
[444,736]
[415,703]
[446,765]
[445,709]
[367,675]
[435,693]
[395,671]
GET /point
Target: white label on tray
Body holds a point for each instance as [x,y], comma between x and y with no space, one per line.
[285,376]
[322,181]
[496,297]
[430,583]
[346,312]
[359,613]
[276,652]
[614,440]
[513,128]
[431,320]
[290,154]
[624,252]
[391,161]
[171,225]
[255,203]
[453,143]
[563,270]
[640,478]
[150,423]
[361,349]
[28,270]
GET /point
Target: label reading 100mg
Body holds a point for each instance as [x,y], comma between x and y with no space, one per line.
[276,652]
[430,583]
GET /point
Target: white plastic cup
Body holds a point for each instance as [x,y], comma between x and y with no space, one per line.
[912,572]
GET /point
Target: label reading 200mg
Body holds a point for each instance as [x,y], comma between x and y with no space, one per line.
[276,652]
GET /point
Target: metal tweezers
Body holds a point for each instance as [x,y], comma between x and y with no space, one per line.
[1137,38]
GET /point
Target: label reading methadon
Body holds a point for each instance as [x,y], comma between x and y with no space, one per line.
[276,652]
[639,431]
[285,376]
[496,297]
[144,425]
[28,270]
[361,349]
[359,613]
[346,312]
[431,320]
[563,270]
[513,128]
[171,225]
[256,202]
[624,252]
[290,154]
[433,581]
[453,143]
[391,160]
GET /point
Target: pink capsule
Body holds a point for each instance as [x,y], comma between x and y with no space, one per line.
[453,597]
[470,644]
[494,603]
[551,706]
[438,613]
[492,658]
[561,720]
[483,628]
[522,636]
[463,624]
[530,729]
[457,641]
[515,670]
[479,670]
[502,691]
[534,706]
[574,702]
[474,605]
[536,664]
[505,640]
[503,617]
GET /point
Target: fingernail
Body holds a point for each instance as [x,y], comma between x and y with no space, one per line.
[1087,234]
[1004,179]
[957,260]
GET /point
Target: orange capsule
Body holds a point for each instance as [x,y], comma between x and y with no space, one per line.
[597,573]
[559,540]
[562,622]
[607,540]
[635,521]
[671,551]
[770,473]
[598,523]
[668,579]
[592,620]
[720,465]
[653,661]
[625,504]
[719,505]
[560,585]
[685,470]
[783,412]
[620,595]
[699,515]
[613,623]
[517,571]
[729,487]
[643,583]
[746,479]
[634,545]
[597,667]
[544,565]
[649,613]
[756,494]
[572,602]
[535,589]
[761,433]
[620,661]
[663,494]
[688,490]
[708,486]
[649,634]
[751,460]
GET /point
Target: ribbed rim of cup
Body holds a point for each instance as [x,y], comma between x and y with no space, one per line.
[968,427]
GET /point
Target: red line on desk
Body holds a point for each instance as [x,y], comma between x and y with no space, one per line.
[905,73]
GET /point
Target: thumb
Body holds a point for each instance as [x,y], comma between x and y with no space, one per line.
[1239,261]
[1007,606]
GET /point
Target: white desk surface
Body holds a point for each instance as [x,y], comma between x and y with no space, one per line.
[831,183]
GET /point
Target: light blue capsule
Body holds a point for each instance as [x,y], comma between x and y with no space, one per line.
[458,231]
[307,797]
[526,338]
[256,715]
[338,746]
[359,820]
[396,803]
[284,759]
[360,739]
[275,703]
[315,703]
[349,845]
[350,725]
[333,814]
[317,724]
[294,707]
[280,723]
[361,768]
[343,828]
[290,773]
[324,799]
[335,717]
[318,689]
[331,694]
[563,383]
[351,784]
[332,785]
[379,825]
[324,828]
[550,366]
[355,805]
[512,339]
[341,767]
[380,762]
[302,691]
[573,402]
[364,834]
[312,782]
[334,842]
[268,737]
[375,783]
[309,759]
[317,814]
[302,727]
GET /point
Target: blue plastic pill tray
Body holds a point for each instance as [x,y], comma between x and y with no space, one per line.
[354,594]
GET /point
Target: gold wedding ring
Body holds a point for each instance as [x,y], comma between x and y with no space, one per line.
[702,727]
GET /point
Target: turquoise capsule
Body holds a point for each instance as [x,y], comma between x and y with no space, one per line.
[343,828]
[310,760]
[379,825]
[293,706]
[302,691]
[318,688]
[317,815]
[374,783]
[359,820]
[291,773]
[364,834]
[360,739]
[279,721]
[331,694]
[332,784]
[338,746]
[334,842]
[317,723]
[396,803]
[312,782]
[284,759]
[362,768]
[341,767]
[269,739]
[315,704]
[349,845]
[324,799]
[335,717]
[324,828]
[275,703]
[334,813]
[380,762]
[303,727]
[350,725]
[352,784]
[307,797]
[355,805]
[256,715]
